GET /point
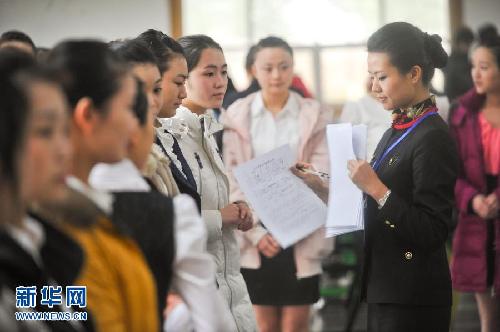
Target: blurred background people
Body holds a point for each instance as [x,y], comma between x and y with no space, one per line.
[370,112]
[296,84]
[252,87]
[457,71]
[476,127]
[19,40]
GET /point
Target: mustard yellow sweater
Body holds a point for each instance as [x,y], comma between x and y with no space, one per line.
[121,293]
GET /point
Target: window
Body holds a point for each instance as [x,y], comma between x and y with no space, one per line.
[328,36]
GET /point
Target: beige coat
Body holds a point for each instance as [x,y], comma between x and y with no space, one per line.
[158,171]
[312,148]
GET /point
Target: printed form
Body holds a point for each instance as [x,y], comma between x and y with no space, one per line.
[283,202]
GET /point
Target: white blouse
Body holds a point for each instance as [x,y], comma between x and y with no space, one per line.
[269,132]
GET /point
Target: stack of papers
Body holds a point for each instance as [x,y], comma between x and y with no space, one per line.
[283,202]
[345,202]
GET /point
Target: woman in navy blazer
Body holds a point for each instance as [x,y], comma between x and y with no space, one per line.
[408,188]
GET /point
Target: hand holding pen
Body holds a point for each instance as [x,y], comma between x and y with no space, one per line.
[317,181]
[308,168]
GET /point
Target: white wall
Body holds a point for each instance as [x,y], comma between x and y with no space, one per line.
[50,21]
[478,12]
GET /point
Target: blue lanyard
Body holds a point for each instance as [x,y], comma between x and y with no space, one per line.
[377,163]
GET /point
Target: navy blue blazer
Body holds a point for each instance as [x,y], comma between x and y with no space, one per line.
[405,258]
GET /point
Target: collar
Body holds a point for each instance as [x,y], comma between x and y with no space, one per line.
[468,104]
[210,124]
[102,199]
[193,121]
[121,176]
[257,108]
[30,236]
[174,126]
[156,158]
[189,118]
[404,118]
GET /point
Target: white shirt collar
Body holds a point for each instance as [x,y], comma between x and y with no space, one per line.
[30,236]
[102,199]
[291,107]
[121,176]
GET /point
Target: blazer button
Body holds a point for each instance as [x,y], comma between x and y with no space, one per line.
[392,160]
[408,255]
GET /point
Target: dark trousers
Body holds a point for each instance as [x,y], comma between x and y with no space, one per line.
[408,318]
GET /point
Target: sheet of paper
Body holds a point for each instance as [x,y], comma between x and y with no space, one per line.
[282,201]
[334,231]
[345,205]
[359,133]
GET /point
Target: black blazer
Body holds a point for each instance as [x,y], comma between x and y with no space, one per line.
[61,259]
[148,217]
[405,258]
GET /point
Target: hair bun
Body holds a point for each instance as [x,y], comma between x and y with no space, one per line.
[435,51]
[488,35]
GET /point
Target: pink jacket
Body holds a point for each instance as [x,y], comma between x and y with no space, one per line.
[312,148]
[468,267]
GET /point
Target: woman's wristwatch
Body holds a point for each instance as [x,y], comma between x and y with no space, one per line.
[381,202]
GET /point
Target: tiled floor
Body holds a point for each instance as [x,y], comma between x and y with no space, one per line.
[332,317]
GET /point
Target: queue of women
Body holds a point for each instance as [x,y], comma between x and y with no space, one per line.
[111,177]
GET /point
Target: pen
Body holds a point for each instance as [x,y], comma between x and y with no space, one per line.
[317,173]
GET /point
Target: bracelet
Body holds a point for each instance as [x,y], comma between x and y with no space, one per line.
[381,202]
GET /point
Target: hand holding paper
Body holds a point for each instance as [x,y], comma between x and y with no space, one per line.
[314,181]
[365,178]
[345,205]
[284,204]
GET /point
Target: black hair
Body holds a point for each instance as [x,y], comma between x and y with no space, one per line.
[162,46]
[87,68]
[464,35]
[42,53]
[273,41]
[250,58]
[487,31]
[15,35]
[489,38]
[140,108]
[16,59]
[407,46]
[134,51]
[14,110]
[194,45]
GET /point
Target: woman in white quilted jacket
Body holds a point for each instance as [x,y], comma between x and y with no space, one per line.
[205,86]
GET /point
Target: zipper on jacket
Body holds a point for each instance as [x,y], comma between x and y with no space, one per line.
[205,147]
